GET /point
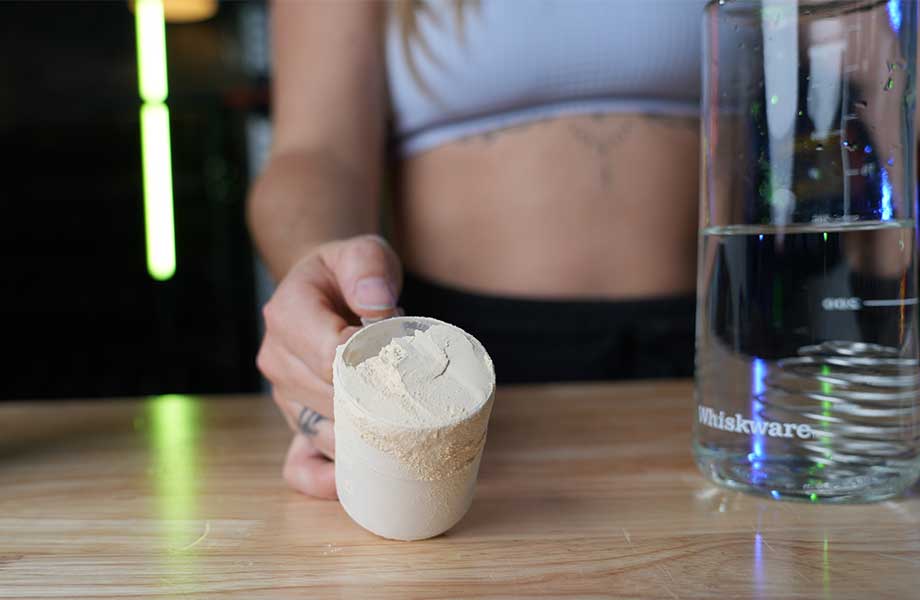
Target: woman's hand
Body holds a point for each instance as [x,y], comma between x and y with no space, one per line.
[317,306]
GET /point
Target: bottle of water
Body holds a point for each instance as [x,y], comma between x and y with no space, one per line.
[808,383]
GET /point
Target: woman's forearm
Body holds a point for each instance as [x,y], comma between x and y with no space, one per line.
[305,198]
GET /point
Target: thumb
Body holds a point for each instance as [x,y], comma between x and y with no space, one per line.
[369,275]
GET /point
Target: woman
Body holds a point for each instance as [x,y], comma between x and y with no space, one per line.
[545,166]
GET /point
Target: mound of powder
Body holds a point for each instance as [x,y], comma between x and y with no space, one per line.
[424,398]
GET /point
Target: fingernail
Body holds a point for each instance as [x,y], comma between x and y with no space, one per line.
[374,293]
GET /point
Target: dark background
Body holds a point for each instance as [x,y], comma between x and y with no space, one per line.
[81,315]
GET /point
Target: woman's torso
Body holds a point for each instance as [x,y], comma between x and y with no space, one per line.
[556,152]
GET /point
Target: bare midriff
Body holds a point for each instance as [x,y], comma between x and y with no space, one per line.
[601,207]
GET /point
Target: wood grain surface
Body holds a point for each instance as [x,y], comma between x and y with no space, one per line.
[585,492]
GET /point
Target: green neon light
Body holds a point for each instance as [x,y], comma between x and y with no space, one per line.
[153,87]
[826,388]
[827,407]
[174,437]
[826,569]
[158,198]
[174,432]
[151,50]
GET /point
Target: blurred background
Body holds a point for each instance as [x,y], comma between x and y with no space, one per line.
[131,133]
[97,299]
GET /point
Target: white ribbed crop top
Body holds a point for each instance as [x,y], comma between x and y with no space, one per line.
[526,60]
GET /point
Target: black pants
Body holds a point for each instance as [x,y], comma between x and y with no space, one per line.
[560,340]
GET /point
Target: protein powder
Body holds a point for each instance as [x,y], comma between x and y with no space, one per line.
[412,402]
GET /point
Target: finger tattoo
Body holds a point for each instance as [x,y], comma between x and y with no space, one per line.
[308,420]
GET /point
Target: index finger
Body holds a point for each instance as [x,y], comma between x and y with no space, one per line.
[308,323]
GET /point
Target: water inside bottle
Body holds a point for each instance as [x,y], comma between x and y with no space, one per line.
[807,381]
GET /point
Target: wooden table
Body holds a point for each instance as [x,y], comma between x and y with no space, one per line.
[585,491]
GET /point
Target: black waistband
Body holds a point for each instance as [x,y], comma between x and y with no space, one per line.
[557,340]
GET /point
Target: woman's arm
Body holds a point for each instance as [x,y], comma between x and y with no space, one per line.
[319,191]
[322,179]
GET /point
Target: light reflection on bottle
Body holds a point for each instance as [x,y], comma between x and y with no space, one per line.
[886,209]
[894,15]
[758,372]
